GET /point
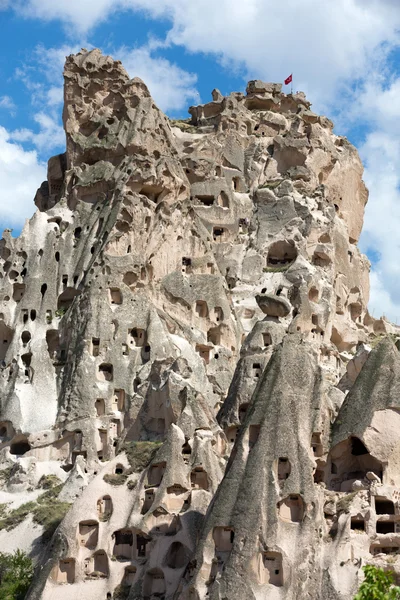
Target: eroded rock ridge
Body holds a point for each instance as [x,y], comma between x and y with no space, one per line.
[186,355]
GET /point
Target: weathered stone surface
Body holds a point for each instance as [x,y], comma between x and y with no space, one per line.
[184,352]
[273,306]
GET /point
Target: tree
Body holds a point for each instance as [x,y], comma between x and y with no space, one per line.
[377,585]
[16,572]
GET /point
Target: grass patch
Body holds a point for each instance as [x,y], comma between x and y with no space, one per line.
[343,505]
[374,341]
[183,125]
[49,481]
[5,474]
[116,479]
[46,511]
[121,592]
[16,516]
[271,184]
[50,516]
[277,269]
[139,455]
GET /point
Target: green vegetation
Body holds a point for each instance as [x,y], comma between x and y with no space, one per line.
[16,573]
[271,184]
[375,340]
[184,125]
[49,481]
[46,511]
[5,474]
[121,592]
[16,516]
[277,269]
[139,455]
[377,585]
[60,312]
[116,479]
[343,505]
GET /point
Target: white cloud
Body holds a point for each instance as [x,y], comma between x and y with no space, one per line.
[21,174]
[49,137]
[331,48]
[380,106]
[323,43]
[7,103]
[171,87]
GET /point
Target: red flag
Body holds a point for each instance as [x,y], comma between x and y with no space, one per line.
[289,80]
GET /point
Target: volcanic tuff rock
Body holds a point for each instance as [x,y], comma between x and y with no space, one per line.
[186,360]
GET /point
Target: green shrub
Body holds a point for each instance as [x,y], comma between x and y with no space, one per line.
[5,474]
[139,454]
[116,479]
[377,585]
[343,505]
[46,511]
[49,481]
[16,516]
[50,516]
[277,269]
[16,573]
[121,592]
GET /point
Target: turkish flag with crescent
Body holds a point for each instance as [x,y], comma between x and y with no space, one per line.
[289,80]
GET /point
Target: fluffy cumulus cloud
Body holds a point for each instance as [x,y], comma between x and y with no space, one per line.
[21,174]
[339,53]
[323,43]
[50,135]
[171,87]
[380,106]
[7,103]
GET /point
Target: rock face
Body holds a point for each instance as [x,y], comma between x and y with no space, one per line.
[185,359]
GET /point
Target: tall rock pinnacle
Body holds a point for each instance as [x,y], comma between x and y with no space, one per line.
[186,361]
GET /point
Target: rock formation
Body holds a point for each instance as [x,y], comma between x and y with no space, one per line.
[186,360]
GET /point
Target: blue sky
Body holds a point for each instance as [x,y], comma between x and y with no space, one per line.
[344,54]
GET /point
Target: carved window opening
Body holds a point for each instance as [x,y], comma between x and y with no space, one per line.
[257,369]
[95,346]
[137,337]
[199,479]
[384,506]
[385,527]
[204,352]
[281,253]
[205,200]
[231,433]
[187,265]
[156,473]
[219,234]
[88,534]
[18,291]
[272,562]
[267,341]
[223,538]
[254,432]
[316,444]
[202,308]
[100,407]
[106,372]
[291,509]
[243,408]
[284,468]
[115,296]
[223,200]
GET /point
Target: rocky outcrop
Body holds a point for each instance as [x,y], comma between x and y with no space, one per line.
[186,354]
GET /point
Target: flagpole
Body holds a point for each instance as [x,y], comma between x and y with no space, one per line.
[291,86]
